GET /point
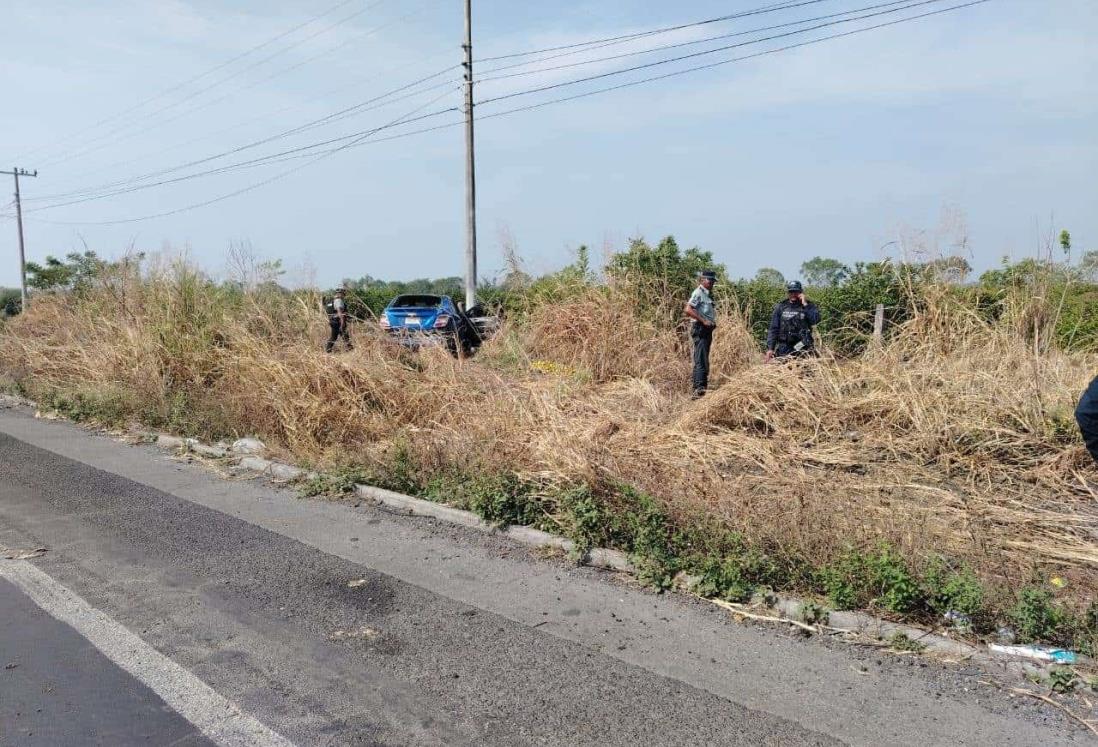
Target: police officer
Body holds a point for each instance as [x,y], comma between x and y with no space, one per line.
[336,309]
[791,325]
[1086,415]
[700,308]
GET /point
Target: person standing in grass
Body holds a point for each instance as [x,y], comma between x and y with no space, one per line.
[791,324]
[336,309]
[1086,415]
[700,308]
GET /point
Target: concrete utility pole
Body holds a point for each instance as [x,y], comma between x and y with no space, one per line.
[470,168]
[19,222]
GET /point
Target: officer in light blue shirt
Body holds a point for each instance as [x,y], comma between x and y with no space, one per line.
[700,308]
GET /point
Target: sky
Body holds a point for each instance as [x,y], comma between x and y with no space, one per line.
[967,132]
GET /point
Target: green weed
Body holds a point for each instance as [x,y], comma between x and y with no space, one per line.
[899,641]
[338,482]
[949,590]
[649,530]
[1062,680]
[587,520]
[105,407]
[1036,616]
[814,614]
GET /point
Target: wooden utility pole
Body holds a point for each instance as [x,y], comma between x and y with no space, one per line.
[19,223]
[470,168]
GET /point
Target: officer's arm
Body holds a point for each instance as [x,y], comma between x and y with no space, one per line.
[813,314]
[691,310]
[775,325]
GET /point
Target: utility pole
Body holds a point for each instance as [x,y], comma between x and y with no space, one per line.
[470,168]
[19,222]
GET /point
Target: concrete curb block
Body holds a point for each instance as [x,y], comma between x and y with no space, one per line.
[273,469]
[613,560]
[191,444]
[788,608]
[420,507]
[537,538]
[597,557]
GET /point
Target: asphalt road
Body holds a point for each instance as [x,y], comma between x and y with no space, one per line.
[56,688]
[339,625]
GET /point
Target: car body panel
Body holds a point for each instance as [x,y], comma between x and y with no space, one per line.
[420,320]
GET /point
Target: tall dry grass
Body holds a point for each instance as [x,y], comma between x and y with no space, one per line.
[954,437]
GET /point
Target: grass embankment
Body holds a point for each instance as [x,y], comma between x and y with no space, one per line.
[939,472]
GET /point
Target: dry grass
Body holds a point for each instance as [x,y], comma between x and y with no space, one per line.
[956,437]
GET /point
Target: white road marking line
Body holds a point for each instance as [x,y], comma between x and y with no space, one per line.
[221,720]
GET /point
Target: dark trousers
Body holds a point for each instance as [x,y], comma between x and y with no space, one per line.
[338,330]
[703,341]
[1086,415]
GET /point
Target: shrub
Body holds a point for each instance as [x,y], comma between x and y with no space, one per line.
[1036,617]
[948,590]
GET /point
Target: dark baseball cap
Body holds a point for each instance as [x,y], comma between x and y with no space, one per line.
[795,287]
[708,275]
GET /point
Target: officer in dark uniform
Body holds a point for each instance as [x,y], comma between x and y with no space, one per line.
[791,325]
[336,309]
[1086,415]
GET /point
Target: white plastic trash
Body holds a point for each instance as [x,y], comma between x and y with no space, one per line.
[1040,653]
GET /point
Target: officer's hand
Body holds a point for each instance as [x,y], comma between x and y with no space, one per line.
[804,301]
[769,355]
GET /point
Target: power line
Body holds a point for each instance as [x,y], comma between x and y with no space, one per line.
[364,136]
[380,100]
[238,91]
[261,161]
[770,8]
[138,127]
[195,78]
[720,63]
[118,183]
[694,55]
[652,32]
[265,116]
[696,42]
[355,139]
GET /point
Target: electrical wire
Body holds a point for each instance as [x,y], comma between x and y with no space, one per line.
[118,183]
[664,30]
[694,55]
[362,137]
[347,112]
[188,81]
[720,63]
[381,100]
[138,126]
[354,138]
[267,115]
[695,42]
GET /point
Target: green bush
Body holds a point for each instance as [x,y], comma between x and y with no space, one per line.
[882,578]
[588,521]
[1036,616]
[105,407]
[649,532]
[948,590]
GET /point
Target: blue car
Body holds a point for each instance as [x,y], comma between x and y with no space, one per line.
[422,319]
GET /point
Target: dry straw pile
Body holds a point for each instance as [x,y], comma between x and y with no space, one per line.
[954,437]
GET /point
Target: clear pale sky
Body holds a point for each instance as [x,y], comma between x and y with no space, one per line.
[832,149]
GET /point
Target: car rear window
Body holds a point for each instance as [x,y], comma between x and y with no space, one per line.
[418,302]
